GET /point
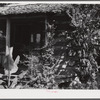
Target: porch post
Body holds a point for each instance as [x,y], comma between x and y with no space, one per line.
[8,32]
[8,44]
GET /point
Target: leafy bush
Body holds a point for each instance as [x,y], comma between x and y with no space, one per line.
[76,67]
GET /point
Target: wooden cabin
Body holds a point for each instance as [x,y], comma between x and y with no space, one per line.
[25,25]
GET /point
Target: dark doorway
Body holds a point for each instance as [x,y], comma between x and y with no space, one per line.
[27,35]
[21,39]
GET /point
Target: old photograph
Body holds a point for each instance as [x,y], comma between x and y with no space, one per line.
[49,46]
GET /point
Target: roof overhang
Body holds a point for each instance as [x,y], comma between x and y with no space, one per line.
[18,9]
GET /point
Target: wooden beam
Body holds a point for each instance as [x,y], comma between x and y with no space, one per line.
[8,32]
[22,16]
[26,17]
[3,17]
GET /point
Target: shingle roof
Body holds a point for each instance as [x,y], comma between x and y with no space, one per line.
[33,8]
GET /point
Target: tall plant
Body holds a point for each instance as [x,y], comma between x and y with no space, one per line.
[85,40]
[10,66]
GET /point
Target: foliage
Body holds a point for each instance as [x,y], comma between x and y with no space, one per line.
[10,66]
[76,66]
[85,43]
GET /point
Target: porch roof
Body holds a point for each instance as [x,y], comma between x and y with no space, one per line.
[15,9]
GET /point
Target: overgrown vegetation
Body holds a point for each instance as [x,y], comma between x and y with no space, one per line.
[76,67]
